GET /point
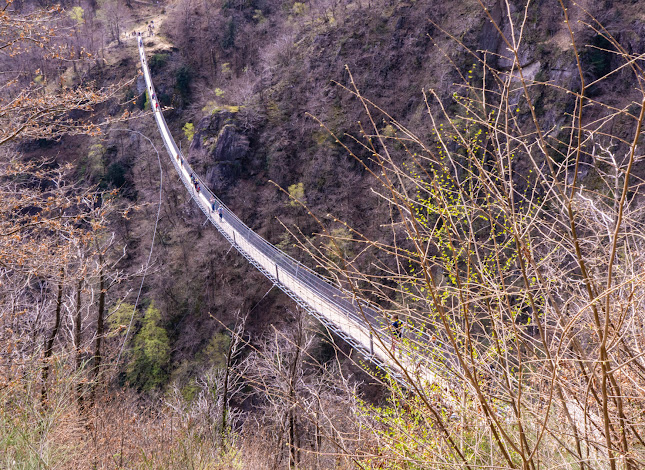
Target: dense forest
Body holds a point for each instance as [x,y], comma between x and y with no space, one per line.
[472,170]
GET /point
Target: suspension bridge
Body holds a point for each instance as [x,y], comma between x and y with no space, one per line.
[360,325]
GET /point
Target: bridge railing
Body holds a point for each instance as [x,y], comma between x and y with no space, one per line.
[316,291]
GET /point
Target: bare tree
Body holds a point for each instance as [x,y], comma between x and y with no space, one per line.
[514,256]
[49,343]
[29,108]
[210,414]
[310,411]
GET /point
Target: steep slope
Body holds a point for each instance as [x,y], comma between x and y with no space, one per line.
[250,76]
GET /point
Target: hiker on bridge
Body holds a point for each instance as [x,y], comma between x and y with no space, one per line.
[220,211]
[397,332]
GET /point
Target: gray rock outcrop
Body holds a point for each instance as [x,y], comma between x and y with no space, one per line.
[221,145]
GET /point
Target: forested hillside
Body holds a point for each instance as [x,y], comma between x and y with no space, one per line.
[473,168]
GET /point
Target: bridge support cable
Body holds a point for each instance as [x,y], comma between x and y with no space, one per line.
[356,324]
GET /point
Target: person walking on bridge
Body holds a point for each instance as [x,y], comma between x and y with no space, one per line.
[397,332]
[220,212]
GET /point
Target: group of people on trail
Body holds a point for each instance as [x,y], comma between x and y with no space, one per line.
[151,31]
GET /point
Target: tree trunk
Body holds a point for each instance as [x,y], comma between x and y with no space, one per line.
[294,451]
[229,356]
[99,331]
[77,342]
[318,436]
[49,344]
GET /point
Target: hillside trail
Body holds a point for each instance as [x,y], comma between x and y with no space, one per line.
[154,42]
[115,52]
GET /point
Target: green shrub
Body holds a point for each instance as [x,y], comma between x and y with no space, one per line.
[77,14]
[95,167]
[151,353]
[598,56]
[296,193]
[189,130]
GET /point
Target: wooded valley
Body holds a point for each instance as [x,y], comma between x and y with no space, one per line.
[471,170]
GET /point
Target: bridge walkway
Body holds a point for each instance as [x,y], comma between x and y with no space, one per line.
[362,326]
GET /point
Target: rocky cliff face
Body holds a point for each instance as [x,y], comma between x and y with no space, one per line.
[222,147]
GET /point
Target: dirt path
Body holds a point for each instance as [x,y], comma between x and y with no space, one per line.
[154,41]
[114,53]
